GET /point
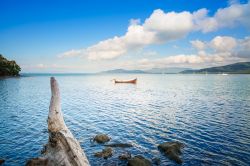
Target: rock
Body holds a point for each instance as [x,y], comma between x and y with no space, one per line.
[101,138]
[105,153]
[125,156]
[139,161]
[119,145]
[172,150]
[156,161]
[38,162]
[2,161]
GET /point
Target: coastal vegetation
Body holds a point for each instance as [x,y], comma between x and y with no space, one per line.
[8,68]
[236,68]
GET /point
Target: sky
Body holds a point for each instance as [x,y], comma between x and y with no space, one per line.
[73,36]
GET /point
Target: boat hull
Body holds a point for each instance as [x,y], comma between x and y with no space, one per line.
[129,81]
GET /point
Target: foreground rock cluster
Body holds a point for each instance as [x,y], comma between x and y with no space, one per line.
[171,149]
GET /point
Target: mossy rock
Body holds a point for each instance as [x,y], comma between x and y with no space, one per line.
[2,161]
[102,138]
[125,156]
[105,153]
[172,150]
[139,161]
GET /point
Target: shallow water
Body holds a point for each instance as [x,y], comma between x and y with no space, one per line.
[210,114]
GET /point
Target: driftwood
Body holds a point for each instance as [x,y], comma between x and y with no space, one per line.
[62,148]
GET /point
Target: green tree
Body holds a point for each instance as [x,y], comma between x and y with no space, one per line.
[8,68]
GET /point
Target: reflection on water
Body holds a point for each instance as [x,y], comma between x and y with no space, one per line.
[210,114]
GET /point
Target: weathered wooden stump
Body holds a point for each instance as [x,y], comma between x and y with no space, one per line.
[62,148]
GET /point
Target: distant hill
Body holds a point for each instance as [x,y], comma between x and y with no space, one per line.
[123,71]
[8,68]
[236,68]
[170,70]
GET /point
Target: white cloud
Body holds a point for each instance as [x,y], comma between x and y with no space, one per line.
[183,60]
[223,50]
[223,43]
[71,53]
[235,14]
[138,36]
[161,27]
[203,22]
[199,45]
[217,44]
[244,48]
[168,26]
[201,59]
[107,49]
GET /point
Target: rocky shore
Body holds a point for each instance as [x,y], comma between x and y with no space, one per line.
[8,68]
[172,150]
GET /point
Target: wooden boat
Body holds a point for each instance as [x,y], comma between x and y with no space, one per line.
[127,81]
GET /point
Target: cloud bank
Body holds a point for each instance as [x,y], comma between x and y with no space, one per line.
[161,27]
[219,51]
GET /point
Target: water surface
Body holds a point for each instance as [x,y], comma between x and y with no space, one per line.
[210,114]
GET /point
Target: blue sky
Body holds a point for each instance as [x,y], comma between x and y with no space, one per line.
[65,36]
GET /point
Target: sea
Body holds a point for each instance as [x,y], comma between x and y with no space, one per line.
[209,114]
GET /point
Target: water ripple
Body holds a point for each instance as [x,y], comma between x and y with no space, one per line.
[209,114]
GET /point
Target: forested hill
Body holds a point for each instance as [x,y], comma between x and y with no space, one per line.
[8,68]
[236,68]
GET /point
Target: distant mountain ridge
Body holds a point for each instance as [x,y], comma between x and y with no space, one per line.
[170,70]
[122,71]
[236,68]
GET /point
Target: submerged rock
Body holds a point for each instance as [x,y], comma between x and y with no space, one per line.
[156,161]
[38,162]
[2,161]
[172,150]
[105,153]
[102,138]
[119,145]
[125,156]
[139,161]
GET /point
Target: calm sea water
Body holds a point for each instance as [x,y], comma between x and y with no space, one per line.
[210,114]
